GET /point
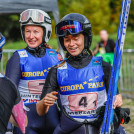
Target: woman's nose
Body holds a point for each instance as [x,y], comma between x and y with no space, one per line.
[72,42]
[31,35]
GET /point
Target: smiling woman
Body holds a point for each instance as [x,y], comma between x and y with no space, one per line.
[81,80]
[28,68]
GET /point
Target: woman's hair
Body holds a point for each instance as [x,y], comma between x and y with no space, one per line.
[47,46]
[90,51]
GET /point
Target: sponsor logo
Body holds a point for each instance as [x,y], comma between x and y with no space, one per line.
[81,86]
[23,54]
[51,52]
[96,62]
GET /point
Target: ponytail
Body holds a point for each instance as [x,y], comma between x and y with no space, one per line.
[47,46]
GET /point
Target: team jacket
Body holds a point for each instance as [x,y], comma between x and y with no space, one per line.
[82,91]
[34,71]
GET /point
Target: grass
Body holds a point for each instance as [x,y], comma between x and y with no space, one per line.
[129,41]
[21,44]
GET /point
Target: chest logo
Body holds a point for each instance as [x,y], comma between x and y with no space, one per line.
[23,53]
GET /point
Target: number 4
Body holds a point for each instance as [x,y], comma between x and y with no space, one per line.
[83,101]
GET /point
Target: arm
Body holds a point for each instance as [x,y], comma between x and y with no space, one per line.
[41,109]
[49,93]
[112,44]
[13,70]
[12,121]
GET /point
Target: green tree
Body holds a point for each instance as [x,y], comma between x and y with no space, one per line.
[98,12]
[131,16]
[10,27]
[103,14]
[115,6]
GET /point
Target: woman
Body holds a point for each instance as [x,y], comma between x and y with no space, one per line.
[81,80]
[28,68]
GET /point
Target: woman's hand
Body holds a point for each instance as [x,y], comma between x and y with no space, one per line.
[50,98]
[13,121]
[43,105]
[118,101]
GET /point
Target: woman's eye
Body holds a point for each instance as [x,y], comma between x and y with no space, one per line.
[36,32]
[66,39]
[27,31]
[76,38]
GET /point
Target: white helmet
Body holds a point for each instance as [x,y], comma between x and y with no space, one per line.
[36,17]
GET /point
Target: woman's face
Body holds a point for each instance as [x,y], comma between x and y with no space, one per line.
[74,44]
[33,35]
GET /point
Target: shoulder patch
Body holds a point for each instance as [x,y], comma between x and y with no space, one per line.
[51,52]
[23,53]
[96,62]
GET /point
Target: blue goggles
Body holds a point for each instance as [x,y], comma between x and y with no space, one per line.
[74,27]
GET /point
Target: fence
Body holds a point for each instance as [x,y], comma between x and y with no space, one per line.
[126,80]
[7,53]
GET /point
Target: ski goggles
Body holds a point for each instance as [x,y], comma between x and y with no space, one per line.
[35,15]
[74,27]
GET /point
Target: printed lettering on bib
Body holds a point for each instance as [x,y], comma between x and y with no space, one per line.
[36,86]
[83,102]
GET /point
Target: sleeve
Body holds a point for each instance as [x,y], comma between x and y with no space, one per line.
[107,68]
[13,93]
[13,70]
[112,43]
[51,83]
[18,98]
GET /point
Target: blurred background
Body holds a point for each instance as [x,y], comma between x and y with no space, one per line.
[103,14]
